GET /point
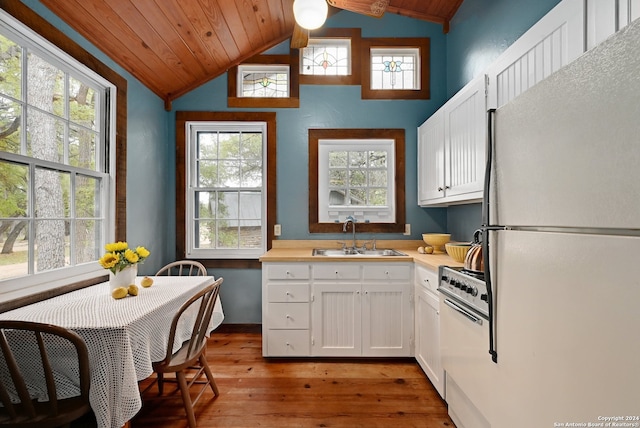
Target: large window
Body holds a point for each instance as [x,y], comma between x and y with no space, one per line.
[228,166]
[56,191]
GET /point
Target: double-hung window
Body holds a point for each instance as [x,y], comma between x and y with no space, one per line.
[226,190]
[56,192]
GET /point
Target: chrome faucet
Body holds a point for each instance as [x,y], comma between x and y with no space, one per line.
[351,220]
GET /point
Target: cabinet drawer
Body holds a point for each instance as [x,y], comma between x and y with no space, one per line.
[287,271]
[339,271]
[427,278]
[288,315]
[386,272]
[288,343]
[289,292]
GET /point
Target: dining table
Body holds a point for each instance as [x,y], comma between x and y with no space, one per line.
[124,338]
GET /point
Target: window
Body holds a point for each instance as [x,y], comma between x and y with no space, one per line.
[396,69]
[263,81]
[228,164]
[326,57]
[332,57]
[269,81]
[359,173]
[55,182]
[355,178]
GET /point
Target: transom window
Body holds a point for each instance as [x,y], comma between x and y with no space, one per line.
[326,57]
[263,81]
[397,68]
[226,207]
[55,187]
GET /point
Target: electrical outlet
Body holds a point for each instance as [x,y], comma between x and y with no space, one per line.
[277,230]
[407,230]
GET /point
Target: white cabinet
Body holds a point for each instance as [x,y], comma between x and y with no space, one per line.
[551,43]
[451,149]
[285,309]
[605,17]
[427,326]
[362,309]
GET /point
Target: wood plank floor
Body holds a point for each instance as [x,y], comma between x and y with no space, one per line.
[259,392]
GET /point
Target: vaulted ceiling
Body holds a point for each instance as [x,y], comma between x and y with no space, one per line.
[174,46]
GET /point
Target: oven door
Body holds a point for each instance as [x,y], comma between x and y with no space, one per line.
[467,364]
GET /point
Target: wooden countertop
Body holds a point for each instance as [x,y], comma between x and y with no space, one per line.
[300,251]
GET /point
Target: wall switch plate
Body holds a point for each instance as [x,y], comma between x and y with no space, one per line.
[407,230]
[277,230]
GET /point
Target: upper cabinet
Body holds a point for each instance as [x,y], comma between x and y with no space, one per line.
[553,42]
[452,142]
[451,149]
[605,17]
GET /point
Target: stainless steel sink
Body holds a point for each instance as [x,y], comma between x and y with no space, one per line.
[353,252]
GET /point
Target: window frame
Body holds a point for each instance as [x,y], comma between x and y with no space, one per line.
[182,117]
[293,101]
[398,135]
[356,54]
[193,128]
[366,213]
[420,43]
[52,40]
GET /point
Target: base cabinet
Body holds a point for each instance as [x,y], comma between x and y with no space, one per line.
[351,309]
[427,327]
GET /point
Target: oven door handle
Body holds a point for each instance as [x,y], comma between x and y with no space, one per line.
[463,311]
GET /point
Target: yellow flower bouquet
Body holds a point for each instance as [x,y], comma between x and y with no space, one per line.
[119,256]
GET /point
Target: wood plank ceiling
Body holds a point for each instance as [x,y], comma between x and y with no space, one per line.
[174,46]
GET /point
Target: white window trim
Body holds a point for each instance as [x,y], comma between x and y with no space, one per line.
[415,52]
[262,68]
[14,288]
[346,42]
[191,130]
[371,214]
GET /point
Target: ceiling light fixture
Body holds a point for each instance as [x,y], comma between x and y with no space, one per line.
[310,14]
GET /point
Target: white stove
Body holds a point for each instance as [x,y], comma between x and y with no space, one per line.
[465,287]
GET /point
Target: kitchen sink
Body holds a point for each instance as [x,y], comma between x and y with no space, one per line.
[356,252]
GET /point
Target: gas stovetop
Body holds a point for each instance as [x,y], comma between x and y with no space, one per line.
[465,287]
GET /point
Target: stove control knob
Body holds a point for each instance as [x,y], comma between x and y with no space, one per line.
[484,297]
[456,283]
[463,287]
[472,290]
[445,278]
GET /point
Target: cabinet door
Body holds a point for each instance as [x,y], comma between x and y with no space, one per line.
[465,140]
[605,17]
[336,319]
[427,332]
[431,158]
[551,43]
[387,320]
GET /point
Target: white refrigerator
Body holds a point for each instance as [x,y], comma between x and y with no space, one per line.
[562,224]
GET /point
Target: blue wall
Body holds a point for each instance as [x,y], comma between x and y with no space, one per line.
[481,30]
[328,107]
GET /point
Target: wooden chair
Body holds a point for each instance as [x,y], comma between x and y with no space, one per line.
[191,354]
[29,412]
[183,268]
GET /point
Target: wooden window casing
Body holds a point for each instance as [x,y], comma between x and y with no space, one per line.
[421,43]
[356,49]
[324,134]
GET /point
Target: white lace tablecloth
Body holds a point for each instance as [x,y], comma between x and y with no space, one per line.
[123,336]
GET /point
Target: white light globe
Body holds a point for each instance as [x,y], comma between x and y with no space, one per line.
[310,14]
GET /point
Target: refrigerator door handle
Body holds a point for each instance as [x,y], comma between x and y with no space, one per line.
[486,226]
[463,311]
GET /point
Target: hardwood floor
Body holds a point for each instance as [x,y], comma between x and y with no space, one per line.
[259,392]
